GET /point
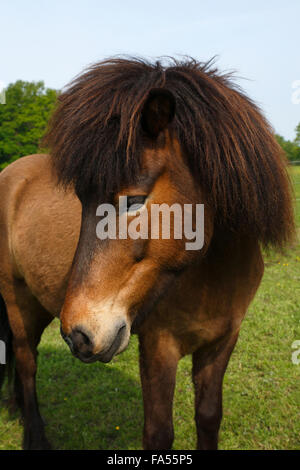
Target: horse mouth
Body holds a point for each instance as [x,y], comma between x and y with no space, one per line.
[104,356]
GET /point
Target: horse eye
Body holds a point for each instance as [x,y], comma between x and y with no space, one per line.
[134,203]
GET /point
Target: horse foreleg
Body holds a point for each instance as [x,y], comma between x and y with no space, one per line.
[208,372]
[159,356]
[27,328]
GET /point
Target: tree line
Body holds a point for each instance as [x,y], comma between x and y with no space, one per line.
[24,118]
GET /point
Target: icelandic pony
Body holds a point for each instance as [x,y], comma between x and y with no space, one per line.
[157,133]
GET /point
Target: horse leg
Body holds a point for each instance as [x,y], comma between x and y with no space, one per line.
[159,356]
[28,321]
[208,371]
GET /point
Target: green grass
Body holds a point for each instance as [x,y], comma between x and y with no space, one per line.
[295,176]
[99,406]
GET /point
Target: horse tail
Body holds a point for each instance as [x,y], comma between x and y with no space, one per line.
[6,346]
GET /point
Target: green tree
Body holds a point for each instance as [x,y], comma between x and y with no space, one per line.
[292,149]
[297,139]
[23,119]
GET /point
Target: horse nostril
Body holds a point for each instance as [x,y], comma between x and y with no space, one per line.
[80,342]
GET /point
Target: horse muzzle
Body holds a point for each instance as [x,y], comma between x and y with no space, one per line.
[83,345]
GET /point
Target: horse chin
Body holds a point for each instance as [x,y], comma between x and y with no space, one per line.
[105,358]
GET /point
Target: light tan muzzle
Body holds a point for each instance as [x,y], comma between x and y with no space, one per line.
[94,331]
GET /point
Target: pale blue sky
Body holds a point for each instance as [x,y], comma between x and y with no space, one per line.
[54,40]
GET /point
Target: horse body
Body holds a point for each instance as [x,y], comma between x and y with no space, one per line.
[37,243]
[41,226]
[180,135]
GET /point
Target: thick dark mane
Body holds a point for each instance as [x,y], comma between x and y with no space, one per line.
[95,138]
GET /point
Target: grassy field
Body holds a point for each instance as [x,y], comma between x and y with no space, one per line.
[99,406]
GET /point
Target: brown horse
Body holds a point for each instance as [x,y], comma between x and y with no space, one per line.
[157,133]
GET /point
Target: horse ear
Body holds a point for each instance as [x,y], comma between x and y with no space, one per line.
[158,111]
